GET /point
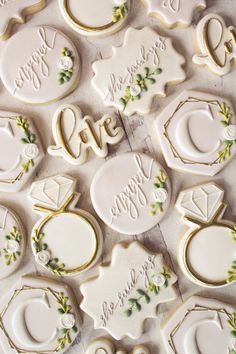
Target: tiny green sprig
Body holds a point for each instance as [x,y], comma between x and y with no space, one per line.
[119,12]
[159,182]
[10,257]
[233,233]
[142,82]
[231,275]
[65,74]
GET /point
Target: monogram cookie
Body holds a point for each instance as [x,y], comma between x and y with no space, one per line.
[95,18]
[128,290]
[138,71]
[13,11]
[12,242]
[174,12]
[105,346]
[197,133]
[39,315]
[66,240]
[45,71]
[207,250]
[201,326]
[75,135]
[19,138]
[131,193]
[216,44]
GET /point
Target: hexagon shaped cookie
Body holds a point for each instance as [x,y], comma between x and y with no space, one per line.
[197,133]
[39,316]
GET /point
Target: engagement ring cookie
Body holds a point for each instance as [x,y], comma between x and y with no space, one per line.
[216,43]
[21,151]
[128,290]
[75,135]
[201,326]
[12,242]
[174,12]
[131,193]
[40,315]
[66,240]
[197,133]
[14,11]
[138,71]
[95,18]
[105,346]
[207,250]
[46,70]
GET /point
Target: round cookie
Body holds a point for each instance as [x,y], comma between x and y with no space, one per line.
[131,193]
[66,240]
[45,71]
[12,242]
[95,18]
[207,250]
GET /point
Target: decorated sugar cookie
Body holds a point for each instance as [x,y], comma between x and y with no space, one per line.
[75,135]
[138,71]
[207,251]
[201,326]
[66,240]
[14,11]
[128,290]
[131,193]
[20,140]
[12,242]
[95,18]
[216,43]
[105,346]
[39,315]
[45,71]
[197,133]
[174,12]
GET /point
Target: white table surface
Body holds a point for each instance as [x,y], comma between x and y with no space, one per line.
[140,136]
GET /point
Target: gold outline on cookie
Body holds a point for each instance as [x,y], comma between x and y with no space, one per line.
[212,222]
[80,25]
[15,294]
[174,151]
[63,210]
[196,308]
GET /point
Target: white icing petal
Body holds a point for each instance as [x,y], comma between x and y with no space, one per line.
[66,63]
[229,132]
[43,257]
[135,90]
[67,320]
[158,279]
[161,195]
[12,246]
[31,151]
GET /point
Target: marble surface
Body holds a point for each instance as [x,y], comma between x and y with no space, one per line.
[140,136]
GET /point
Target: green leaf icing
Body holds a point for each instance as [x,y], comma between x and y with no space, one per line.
[119,12]
[11,257]
[65,74]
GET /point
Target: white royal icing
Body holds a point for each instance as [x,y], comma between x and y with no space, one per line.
[92,18]
[105,346]
[207,250]
[12,242]
[35,76]
[124,200]
[129,276]
[197,133]
[146,59]
[200,326]
[70,235]
[40,317]
[75,135]
[12,11]
[216,43]
[24,151]
[174,12]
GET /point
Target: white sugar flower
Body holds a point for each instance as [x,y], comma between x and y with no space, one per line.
[160,195]
[12,246]
[135,90]
[67,320]
[43,257]
[66,63]
[158,279]
[229,132]
[30,151]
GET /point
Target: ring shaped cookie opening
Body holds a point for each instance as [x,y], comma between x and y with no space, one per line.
[86,220]
[80,25]
[187,263]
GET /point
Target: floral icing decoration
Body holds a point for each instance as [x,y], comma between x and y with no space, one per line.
[119,12]
[229,132]
[31,150]
[67,321]
[43,255]
[66,64]
[232,324]
[159,281]
[160,193]
[139,85]
[11,250]
[231,276]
